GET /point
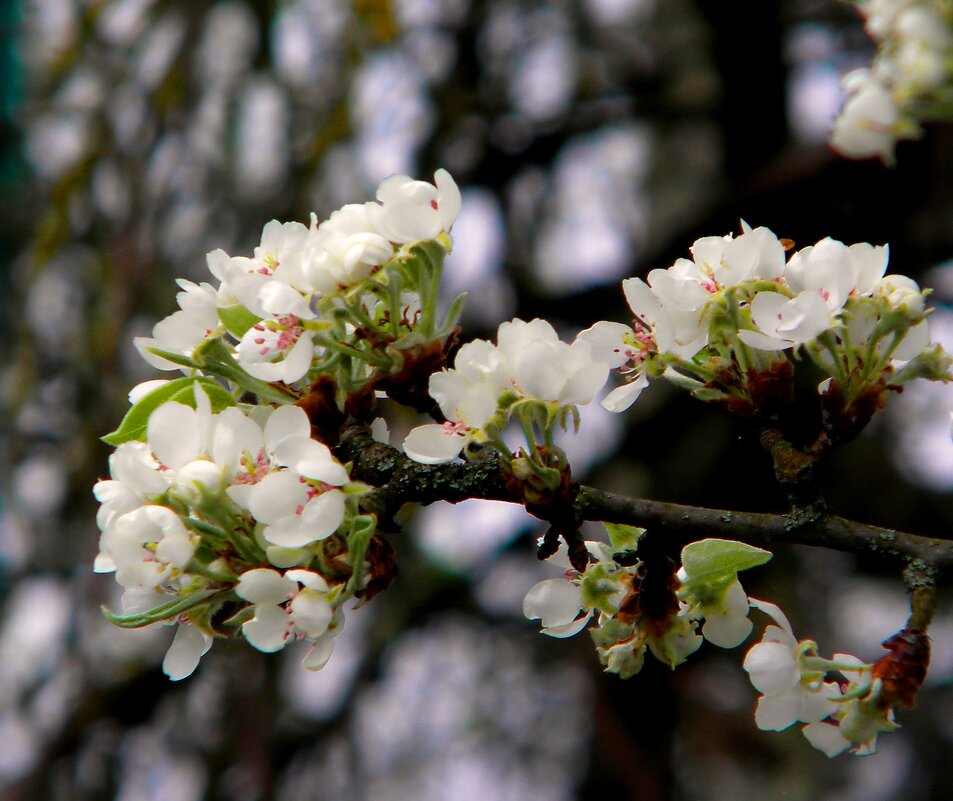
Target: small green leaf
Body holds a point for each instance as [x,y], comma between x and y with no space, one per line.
[714,561]
[236,319]
[181,390]
[623,537]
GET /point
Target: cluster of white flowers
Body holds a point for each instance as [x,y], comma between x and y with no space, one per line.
[791,678]
[225,515]
[706,594]
[907,83]
[215,504]
[740,303]
[275,303]
[489,383]
[187,513]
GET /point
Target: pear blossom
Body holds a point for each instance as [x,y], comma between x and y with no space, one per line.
[135,477]
[146,547]
[835,271]
[280,350]
[785,322]
[780,668]
[286,479]
[718,262]
[539,365]
[293,605]
[654,331]
[347,248]
[869,123]
[182,331]
[412,210]
[529,361]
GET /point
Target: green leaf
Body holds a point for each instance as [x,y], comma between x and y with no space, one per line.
[623,537]
[714,561]
[180,390]
[237,319]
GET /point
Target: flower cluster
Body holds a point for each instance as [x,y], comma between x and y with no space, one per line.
[189,514]
[792,680]
[907,83]
[529,374]
[718,323]
[226,512]
[223,515]
[343,297]
[642,605]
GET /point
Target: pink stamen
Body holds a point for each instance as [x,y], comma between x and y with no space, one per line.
[451,428]
[255,470]
[433,205]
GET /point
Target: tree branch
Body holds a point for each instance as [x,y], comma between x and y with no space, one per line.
[399,480]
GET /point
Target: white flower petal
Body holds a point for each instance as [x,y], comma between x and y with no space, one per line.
[173,434]
[286,421]
[621,398]
[431,444]
[319,654]
[269,629]
[264,586]
[771,667]
[777,712]
[311,613]
[312,459]
[276,496]
[826,737]
[555,602]
[726,631]
[188,646]
[567,629]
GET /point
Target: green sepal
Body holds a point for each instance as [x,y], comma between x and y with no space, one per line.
[164,611]
[623,537]
[241,616]
[599,590]
[175,358]
[610,632]
[363,528]
[237,319]
[134,425]
[624,659]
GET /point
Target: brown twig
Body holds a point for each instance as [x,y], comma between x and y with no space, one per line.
[399,480]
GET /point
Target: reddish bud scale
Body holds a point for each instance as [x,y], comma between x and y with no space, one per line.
[651,599]
[381,567]
[410,385]
[768,391]
[323,413]
[903,669]
[842,421]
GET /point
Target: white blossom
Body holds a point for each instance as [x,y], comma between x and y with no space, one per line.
[411,210]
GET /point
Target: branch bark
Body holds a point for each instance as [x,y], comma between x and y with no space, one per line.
[399,480]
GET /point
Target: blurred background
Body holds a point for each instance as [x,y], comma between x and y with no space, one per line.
[593,139]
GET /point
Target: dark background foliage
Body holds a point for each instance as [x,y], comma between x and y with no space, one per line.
[593,139]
